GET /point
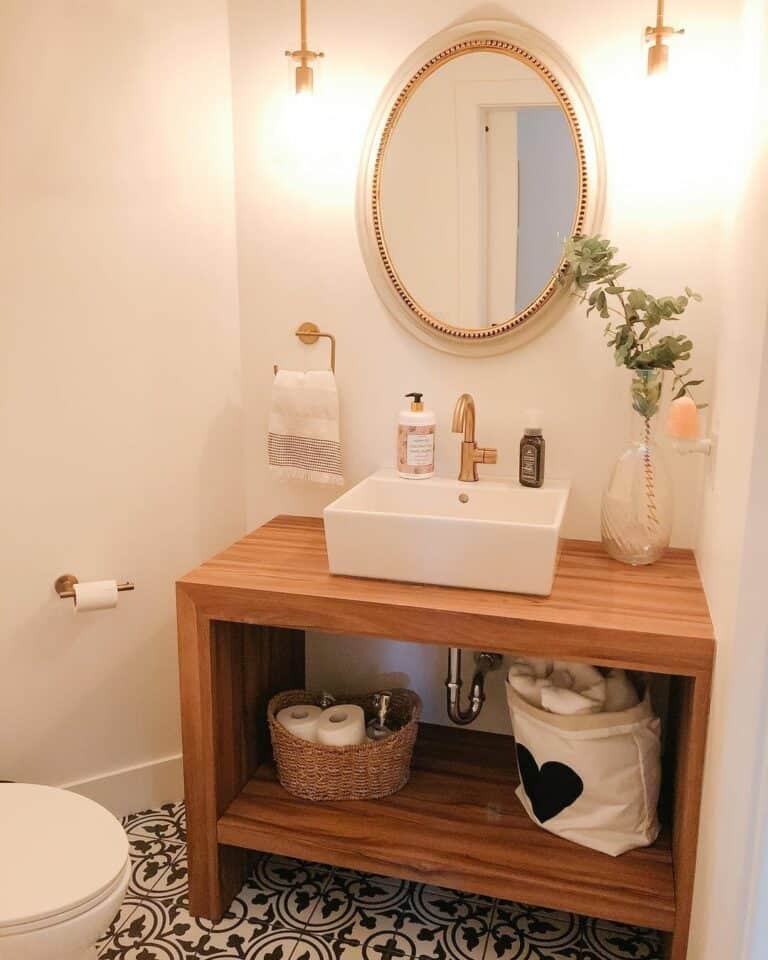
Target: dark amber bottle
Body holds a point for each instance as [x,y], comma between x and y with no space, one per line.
[532,448]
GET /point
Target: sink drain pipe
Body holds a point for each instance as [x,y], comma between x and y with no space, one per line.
[484,663]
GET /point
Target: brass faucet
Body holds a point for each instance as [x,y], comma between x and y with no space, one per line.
[464,422]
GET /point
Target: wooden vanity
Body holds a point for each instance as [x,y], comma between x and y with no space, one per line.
[242,618]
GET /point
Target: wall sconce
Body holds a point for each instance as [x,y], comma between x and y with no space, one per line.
[658,52]
[303,57]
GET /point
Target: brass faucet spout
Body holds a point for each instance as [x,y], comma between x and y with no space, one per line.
[464,417]
[463,421]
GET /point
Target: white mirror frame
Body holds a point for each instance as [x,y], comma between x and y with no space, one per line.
[542,54]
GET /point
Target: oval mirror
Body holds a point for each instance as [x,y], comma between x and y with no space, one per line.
[482,159]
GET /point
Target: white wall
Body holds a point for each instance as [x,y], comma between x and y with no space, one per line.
[120,409]
[299,256]
[733,546]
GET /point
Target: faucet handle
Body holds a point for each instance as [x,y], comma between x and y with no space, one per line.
[489,455]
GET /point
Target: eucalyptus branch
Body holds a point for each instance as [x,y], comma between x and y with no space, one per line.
[582,298]
[638,342]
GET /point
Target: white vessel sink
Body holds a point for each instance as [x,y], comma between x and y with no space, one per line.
[501,537]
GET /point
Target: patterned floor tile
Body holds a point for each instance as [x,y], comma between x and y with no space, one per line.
[150,859]
[355,910]
[532,933]
[156,839]
[265,919]
[164,930]
[361,875]
[446,924]
[291,910]
[175,936]
[615,941]
[167,823]
[279,893]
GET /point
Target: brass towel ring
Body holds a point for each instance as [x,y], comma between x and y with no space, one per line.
[310,333]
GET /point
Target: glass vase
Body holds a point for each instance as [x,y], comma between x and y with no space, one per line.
[637,506]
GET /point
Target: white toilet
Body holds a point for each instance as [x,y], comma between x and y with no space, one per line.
[64,870]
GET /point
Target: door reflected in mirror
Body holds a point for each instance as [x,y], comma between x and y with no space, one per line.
[479,189]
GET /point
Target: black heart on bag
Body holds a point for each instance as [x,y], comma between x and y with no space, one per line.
[550,789]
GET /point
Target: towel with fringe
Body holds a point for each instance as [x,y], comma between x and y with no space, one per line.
[304,438]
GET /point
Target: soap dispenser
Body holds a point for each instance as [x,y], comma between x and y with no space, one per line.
[416,440]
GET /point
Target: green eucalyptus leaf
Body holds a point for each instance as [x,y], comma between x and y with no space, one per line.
[592,275]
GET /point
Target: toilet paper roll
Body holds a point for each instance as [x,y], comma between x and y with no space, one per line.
[342,725]
[96,595]
[300,720]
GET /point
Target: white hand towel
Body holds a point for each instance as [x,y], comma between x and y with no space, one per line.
[304,438]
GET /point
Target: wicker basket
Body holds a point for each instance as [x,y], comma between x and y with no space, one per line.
[367,771]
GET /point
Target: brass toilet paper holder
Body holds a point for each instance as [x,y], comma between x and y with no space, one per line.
[65,586]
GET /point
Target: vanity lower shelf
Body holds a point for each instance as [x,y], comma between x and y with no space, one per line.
[457,824]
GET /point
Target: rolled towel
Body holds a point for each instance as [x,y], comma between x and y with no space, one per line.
[570,689]
[530,667]
[620,693]
[561,678]
[528,677]
[558,686]
[541,667]
[521,667]
[529,688]
[584,676]
[586,680]
[569,702]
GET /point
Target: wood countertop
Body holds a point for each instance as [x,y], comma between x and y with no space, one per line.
[651,618]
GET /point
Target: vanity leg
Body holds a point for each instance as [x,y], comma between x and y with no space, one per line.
[690,705]
[228,671]
[208,665]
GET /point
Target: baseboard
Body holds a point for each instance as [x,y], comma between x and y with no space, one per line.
[143,787]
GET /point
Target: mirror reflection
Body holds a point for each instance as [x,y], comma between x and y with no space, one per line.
[479,189]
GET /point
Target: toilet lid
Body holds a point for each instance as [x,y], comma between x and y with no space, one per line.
[58,850]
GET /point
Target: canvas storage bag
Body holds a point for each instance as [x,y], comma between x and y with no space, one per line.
[592,779]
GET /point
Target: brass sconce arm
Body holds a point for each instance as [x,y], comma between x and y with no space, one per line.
[658,52]
[303,57]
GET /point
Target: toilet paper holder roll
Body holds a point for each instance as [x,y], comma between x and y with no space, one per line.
[65,586]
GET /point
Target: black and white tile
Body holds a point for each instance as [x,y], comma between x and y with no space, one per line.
[291,910]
